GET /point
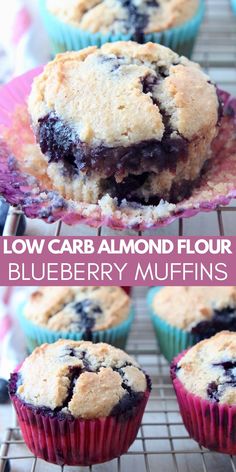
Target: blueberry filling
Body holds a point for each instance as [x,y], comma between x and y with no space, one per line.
[229,368]
[130,399]
[128,187]
[58,142]
[137,19]
[221,320]
[87,312]
[212,392]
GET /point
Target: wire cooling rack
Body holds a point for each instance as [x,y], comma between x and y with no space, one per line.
[216,52]
[162,443]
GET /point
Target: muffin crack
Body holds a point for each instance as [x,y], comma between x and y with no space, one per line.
[138,19]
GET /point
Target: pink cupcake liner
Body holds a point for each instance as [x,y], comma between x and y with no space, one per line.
[66,441]
[212,425]
[218,185]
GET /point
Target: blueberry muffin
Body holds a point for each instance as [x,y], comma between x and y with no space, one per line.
[203,311]
[128,17]
[205,383]
[88,313]
[78,309]
[182,316]
[117,121]
[208,369]
[90,394]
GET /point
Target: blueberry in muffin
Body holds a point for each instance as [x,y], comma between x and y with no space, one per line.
[204,379]
[208,369]
[126,120]
[79,398]
[77,309]
[201,311]
[127,17]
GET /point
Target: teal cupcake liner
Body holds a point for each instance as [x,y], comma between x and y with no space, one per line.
[36,335]
[65,37]
[233,4]
[171,340]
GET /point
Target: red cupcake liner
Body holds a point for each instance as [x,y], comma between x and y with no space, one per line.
[38,200]
[127,290]
[212,425]
[66,441]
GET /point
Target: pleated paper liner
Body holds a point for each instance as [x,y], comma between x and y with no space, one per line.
[74,441]
[211,424]
[218,185]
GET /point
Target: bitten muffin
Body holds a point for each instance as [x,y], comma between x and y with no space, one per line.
[205,383]
[131,17]
[78,309]
[182,316]
[203,311]
[87,393]
[117,121]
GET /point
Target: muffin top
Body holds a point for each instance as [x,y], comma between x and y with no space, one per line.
[77,309]
[82,379]
[185,307]
[123,16]
[209,368]
[120,95]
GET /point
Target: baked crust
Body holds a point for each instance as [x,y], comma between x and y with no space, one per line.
[80,378]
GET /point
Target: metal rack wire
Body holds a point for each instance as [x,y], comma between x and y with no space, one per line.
[216,52]
[162,442]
